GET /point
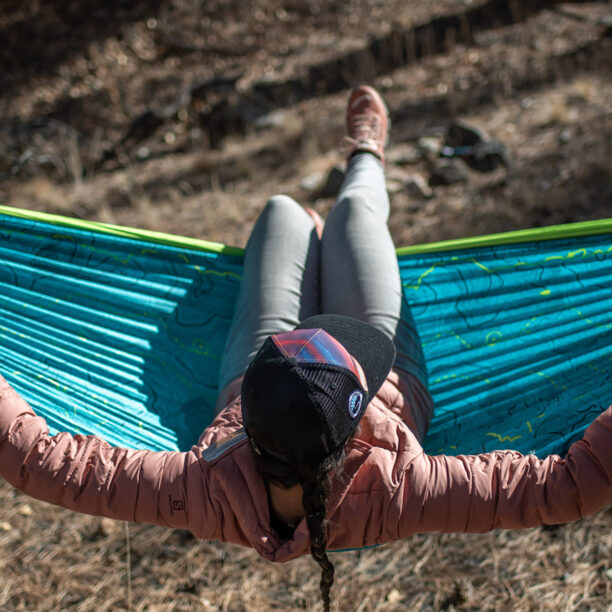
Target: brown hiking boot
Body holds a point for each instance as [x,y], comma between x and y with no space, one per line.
[367,120]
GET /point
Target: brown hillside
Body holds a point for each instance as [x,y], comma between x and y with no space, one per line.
[185,116]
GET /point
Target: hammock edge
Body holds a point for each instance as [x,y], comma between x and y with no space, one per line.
[552,232]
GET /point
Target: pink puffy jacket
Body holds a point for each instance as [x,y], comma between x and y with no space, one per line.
[390,488]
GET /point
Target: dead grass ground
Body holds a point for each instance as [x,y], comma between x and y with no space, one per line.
[55,560]
[185,117]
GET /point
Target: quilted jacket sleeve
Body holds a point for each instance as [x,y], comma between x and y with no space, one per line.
[86,474]
[505,489]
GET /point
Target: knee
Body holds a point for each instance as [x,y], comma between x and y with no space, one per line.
[281,210]
[281,205]
[352,207]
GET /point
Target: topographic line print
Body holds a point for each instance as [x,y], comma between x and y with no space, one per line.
[517,340]
[122,337]
[110,335]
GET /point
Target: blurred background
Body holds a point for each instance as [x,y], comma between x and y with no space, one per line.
[185,116]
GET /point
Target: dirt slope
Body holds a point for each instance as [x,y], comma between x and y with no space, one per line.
[185,116]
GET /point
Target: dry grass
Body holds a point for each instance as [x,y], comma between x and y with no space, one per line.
[51,559]
[558,132]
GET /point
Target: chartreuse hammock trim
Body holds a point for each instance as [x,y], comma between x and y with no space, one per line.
[119,331]
[121,231]
[553,232]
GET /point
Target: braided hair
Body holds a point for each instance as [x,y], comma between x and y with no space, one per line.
[316,482]
[317,486]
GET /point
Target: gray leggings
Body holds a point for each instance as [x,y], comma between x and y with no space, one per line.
[289,274]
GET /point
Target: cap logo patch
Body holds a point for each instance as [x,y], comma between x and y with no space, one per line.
[355,402]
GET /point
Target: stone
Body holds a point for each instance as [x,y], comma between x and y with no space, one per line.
[416,186]
[334,181]
[7,157]
[605,21]
[463,135]
[394,186]
[448,172]
[107,526]
[565,135]
[394,596]
[403,154]
[275,119]
[487,156]
[430,145]
[314,181]
[474,146]
[395,173]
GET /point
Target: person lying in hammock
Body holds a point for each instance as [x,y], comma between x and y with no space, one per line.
[324,404]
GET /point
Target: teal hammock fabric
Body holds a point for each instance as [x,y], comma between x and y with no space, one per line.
[119,332]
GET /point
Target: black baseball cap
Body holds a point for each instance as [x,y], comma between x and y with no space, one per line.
[306,390]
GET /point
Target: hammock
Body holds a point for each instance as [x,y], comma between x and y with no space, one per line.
[119,332]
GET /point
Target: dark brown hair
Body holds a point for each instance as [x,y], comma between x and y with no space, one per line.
[316,482]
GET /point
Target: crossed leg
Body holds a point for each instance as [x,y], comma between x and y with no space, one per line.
[280,283]
[359,270]
[289,274]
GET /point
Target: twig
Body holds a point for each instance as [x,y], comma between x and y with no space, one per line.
[129,566]
[570,14]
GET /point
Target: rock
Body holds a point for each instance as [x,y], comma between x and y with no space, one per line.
[334,181]
[528,102]
[324,184]
[394,596]
[487,156]
[73,537]
[545,185]
[394,186]
[416,187]
[196,135]
[463,135]
[7,159]
[403,154]
[449,172]
[142,127]
[118,198]
[414,184]
[565,135]
[605,21]
[207,605]
[395,173]
[107,527]
[474,146]
[314,181]
[224,84]
[275,119]
[430,145]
